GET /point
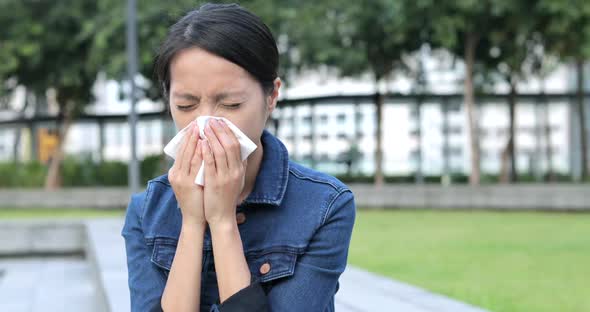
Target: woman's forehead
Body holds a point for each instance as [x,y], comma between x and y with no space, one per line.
[200,63]
[196,68]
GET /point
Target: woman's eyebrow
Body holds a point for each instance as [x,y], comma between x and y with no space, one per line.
[217,97]
[187,96]
[224,95]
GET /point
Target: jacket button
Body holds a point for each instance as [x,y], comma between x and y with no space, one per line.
[265,268]
[240,217]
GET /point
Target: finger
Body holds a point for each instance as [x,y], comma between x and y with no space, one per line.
[231,144]
[210,170]
[216,148]
[190,149]
[197,160]
[182,148]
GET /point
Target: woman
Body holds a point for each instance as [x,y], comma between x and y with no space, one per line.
[266,234]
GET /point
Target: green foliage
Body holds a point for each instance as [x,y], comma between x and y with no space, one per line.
[566,30]
[151,167]
[356,37]
[46,44]
[112,173]
[70,42]
[22,174]
[79,172]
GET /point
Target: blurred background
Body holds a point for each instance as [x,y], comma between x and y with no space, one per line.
[461,126]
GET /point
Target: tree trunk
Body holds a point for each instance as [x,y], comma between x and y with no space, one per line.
[508,155]
[53,178]
[582,116]
[469,99]
[379,180]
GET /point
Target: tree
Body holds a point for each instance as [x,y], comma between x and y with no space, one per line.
[566,34]
[545,64]
[45,47]
[357,38]
[514,41]
[463,27]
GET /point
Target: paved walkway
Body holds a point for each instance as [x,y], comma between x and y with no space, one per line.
[99,282]
[364,291]
[46,284]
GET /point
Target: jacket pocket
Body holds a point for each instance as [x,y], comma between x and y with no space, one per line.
[163,253]
[271,265]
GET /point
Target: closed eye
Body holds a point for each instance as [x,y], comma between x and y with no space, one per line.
[186,107]
[232,106]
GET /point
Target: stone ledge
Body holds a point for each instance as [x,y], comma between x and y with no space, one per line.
[41,237]
[549,197]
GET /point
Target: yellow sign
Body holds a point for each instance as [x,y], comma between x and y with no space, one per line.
[48,140]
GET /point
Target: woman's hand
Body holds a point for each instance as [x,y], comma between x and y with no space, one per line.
[224,173]
[182,178]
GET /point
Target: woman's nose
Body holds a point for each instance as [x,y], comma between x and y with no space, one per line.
[208,110]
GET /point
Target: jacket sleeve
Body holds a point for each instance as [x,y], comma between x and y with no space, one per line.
[146,283]
[315,282]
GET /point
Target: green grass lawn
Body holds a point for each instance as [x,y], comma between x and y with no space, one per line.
[512,261]
[7,213]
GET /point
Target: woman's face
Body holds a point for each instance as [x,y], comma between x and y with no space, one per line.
[202,83]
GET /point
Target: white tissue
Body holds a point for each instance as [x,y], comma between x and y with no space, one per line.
[246,145]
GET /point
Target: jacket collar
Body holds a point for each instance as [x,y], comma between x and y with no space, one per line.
[271,182]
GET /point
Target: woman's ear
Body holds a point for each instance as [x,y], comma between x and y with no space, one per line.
[274,96]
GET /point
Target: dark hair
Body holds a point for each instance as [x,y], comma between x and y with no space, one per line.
[226,30]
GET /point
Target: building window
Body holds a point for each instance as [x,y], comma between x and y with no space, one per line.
[149,133]
[452,130]
[455,107]
[359,117]
[455,151]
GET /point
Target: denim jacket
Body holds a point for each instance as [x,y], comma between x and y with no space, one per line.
[295,227]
